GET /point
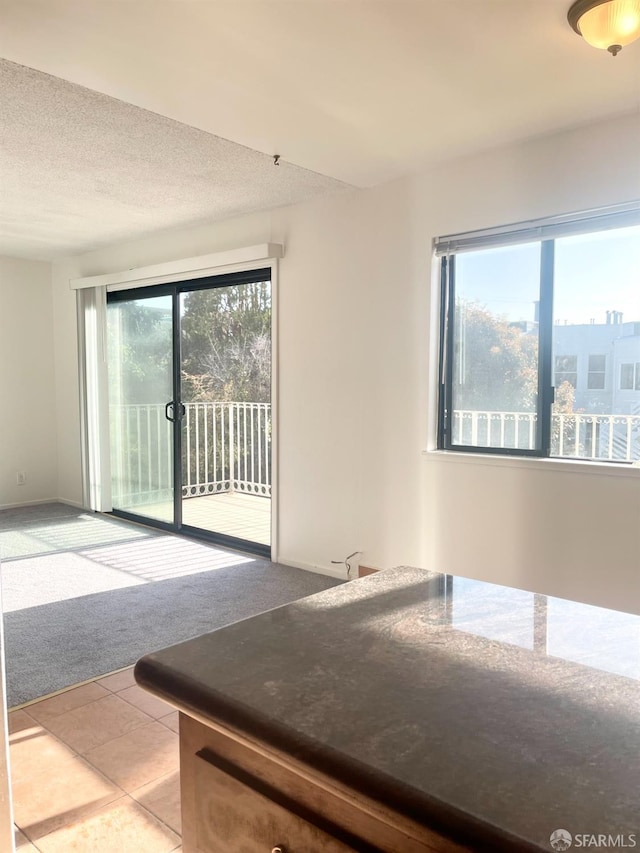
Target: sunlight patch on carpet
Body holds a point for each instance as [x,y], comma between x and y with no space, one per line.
[164,557]
[34,581]
[65,535]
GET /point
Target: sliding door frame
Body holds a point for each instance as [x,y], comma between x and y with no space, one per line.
[189,286]
[176,289]
[149,293]
[260,257]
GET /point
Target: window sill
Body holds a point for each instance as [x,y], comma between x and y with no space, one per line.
[565,466]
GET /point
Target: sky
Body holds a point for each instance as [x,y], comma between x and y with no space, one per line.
[594,273]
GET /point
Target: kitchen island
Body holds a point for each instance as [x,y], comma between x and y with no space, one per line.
[408,711]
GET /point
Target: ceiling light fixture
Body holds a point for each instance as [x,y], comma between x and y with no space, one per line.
[606,24]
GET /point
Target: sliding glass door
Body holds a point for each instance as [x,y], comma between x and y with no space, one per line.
[140,367]
[225,377]
[190,407]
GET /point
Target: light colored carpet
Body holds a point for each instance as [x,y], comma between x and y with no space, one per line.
[84,594]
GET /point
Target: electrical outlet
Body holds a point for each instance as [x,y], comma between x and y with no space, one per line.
[21,478]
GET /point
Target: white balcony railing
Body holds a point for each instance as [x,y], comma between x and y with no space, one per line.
[226,447]
[612,438]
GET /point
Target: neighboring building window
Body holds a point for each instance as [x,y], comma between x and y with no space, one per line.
[630,377]
[524,312]
[597,369]
[566,370]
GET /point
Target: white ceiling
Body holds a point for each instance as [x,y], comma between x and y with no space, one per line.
[80,170]
[358,90]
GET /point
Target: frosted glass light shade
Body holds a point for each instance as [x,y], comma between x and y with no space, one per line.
[606,25]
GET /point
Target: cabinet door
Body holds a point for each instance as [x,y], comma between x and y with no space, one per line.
[236,813]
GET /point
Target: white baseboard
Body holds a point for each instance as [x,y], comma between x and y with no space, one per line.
[40,502]
[331,571]
[75,504]
[29,503]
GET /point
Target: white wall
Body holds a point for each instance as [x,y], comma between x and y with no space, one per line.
[572,531]
[356,361]
[28,439]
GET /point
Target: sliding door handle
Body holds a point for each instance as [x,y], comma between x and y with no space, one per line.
[171,407]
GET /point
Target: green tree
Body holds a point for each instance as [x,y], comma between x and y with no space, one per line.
[495,362]
[563,430]
[226,344]
[139,347]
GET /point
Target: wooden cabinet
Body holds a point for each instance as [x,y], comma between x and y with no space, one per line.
[236,812]
[240,797]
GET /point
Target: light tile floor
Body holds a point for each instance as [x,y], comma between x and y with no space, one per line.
[95,770]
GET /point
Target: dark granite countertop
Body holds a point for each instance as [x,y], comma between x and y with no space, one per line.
[487,713]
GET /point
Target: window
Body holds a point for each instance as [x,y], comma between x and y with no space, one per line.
[630,377]
[566,370]
[597,367]
[532,318]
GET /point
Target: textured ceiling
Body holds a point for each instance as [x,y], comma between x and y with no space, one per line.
[79,170]
[360,90]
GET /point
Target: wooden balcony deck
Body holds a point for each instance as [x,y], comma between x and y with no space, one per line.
[231,513]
